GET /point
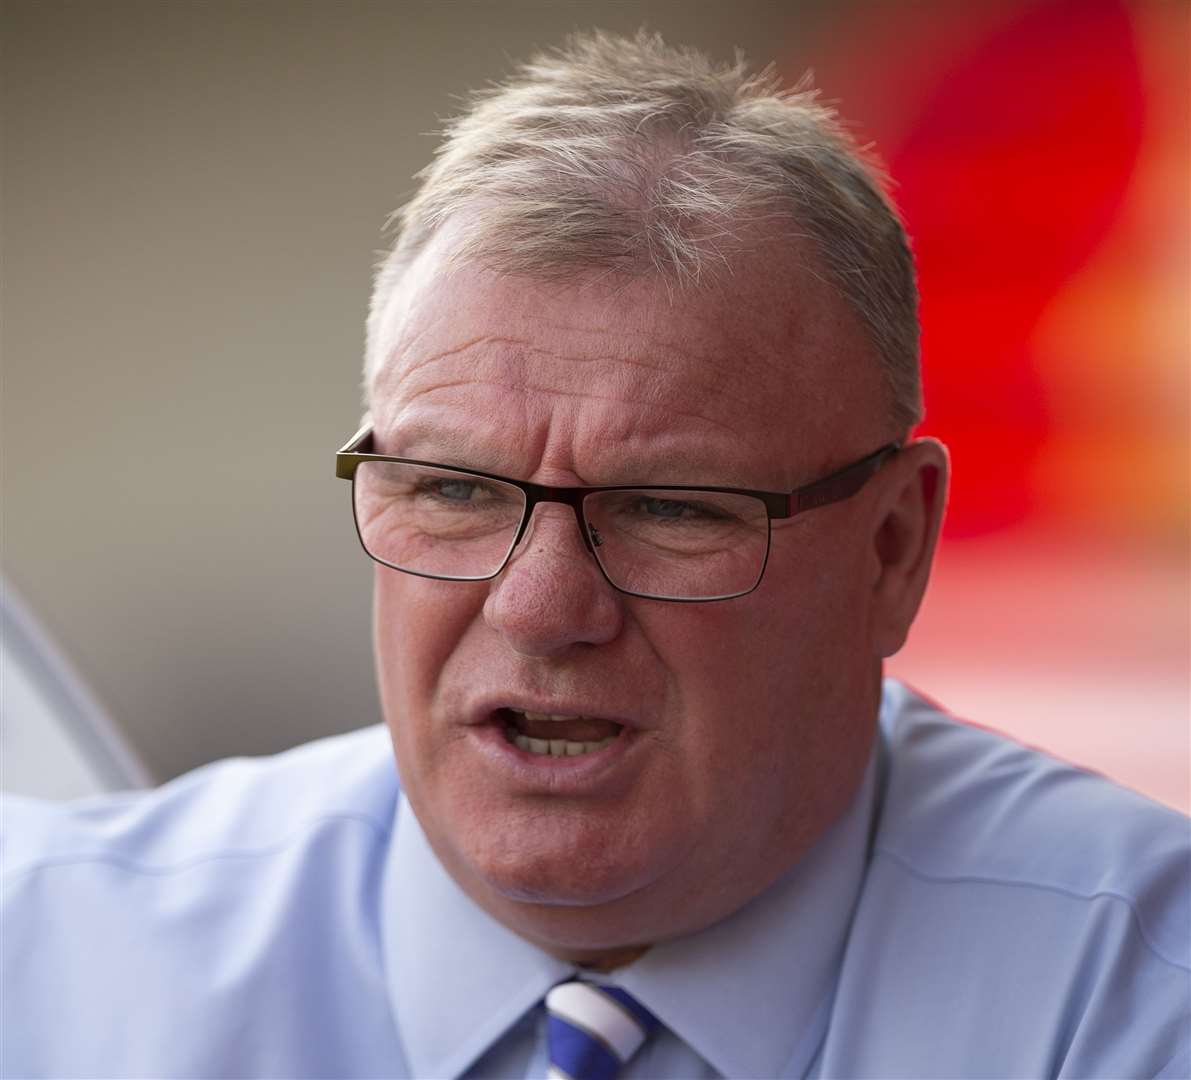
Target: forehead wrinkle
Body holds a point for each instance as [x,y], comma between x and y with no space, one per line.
[644,339]
[524,349]
[517,359]
[397,372]
[415,365]
[719,381]
[530,388]
[714,360]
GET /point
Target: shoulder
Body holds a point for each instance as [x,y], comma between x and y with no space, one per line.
[1019,916]
[244,806]
[966,804]
[246,888]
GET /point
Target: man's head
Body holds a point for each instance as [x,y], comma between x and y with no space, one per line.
[628,267]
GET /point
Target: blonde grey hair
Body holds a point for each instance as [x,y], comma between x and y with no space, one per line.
[627,156]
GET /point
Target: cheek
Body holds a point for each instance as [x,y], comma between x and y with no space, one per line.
[417,626]
[735,669]
[765,683]
[750,657]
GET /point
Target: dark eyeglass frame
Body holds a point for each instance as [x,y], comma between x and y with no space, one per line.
[835,487]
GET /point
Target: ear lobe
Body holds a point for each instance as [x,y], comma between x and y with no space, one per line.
[907,529]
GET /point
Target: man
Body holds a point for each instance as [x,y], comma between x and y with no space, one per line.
[638,478]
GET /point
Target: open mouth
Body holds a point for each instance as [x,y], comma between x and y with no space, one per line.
[556,735]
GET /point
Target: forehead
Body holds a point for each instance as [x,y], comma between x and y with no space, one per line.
[602,382]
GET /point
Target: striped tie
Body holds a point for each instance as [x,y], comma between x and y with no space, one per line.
[593,1030]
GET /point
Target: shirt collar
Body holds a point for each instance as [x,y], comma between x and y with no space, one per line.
[751,993]
[748,994]
[458,979]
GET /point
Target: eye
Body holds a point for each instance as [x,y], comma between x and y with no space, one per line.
[461,493]
[679,509]
[452,490]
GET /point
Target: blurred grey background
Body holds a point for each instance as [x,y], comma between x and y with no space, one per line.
[193,196]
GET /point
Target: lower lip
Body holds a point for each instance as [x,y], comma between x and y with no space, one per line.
[545,772]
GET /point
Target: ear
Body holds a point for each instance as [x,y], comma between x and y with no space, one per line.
[906,529]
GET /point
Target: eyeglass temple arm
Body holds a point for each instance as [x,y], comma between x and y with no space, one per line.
[843,484]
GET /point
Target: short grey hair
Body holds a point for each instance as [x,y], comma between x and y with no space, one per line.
[628,156]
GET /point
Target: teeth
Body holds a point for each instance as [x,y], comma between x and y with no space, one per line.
[558,747]
[553,747]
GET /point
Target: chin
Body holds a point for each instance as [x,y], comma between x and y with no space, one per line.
[574,920]
[560,878]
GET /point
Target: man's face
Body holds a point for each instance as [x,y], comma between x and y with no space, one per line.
[744,725]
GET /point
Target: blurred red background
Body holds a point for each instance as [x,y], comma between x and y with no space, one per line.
[1039,153]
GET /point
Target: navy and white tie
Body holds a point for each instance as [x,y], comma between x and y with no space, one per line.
[593,1030]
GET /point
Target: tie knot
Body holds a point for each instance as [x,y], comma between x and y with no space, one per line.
[593,1030]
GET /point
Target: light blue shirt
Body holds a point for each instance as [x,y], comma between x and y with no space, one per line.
[980,910]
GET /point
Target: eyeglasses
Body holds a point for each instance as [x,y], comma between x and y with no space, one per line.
[661,542]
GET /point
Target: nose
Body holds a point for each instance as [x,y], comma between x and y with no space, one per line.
[552,595]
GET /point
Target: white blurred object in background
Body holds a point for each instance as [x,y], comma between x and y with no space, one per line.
[56,740]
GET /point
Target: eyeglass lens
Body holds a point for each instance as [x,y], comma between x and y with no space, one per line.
[667,544]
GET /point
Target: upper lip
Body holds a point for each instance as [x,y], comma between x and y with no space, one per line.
[483,711]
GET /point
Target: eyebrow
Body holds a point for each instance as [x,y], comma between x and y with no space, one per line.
[459,447]
[503,469]
[445,445]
